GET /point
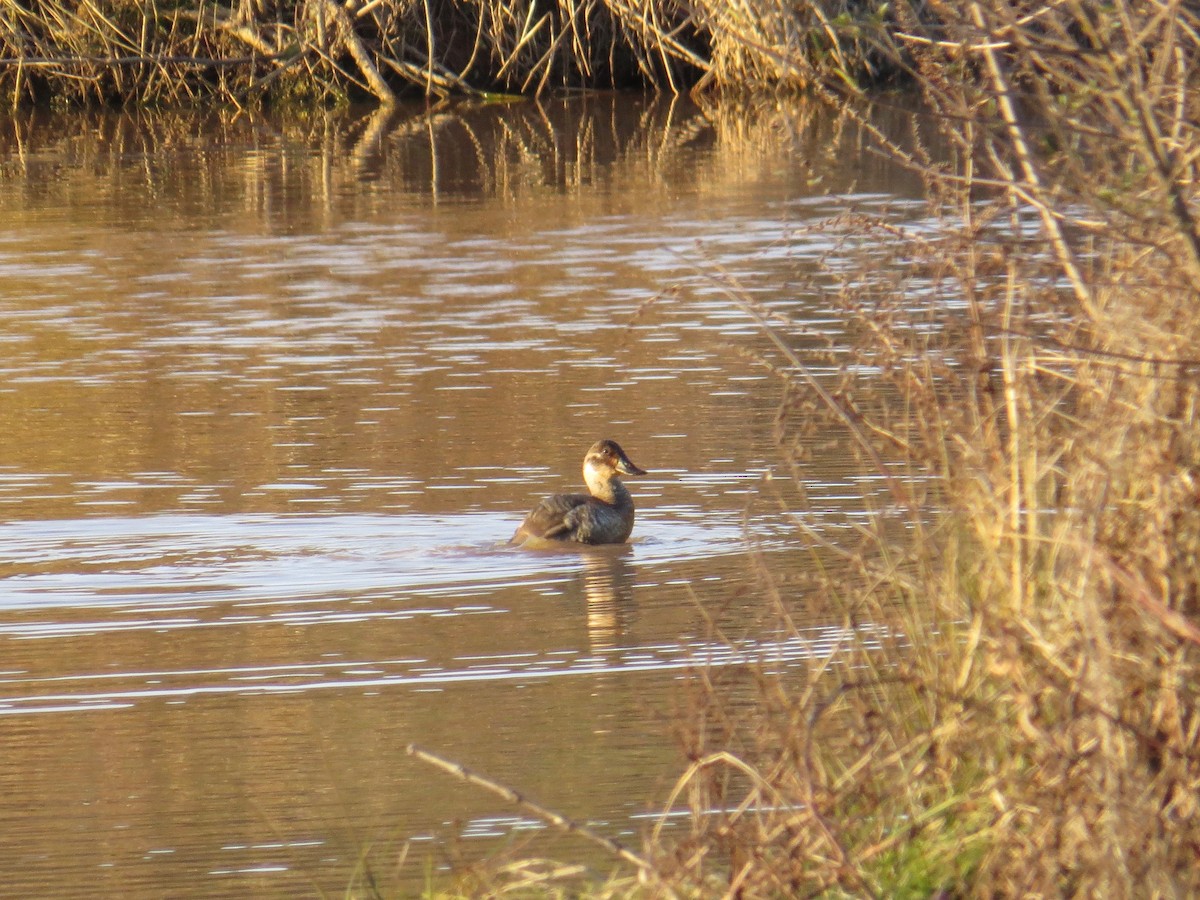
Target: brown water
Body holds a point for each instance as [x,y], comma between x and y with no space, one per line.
[274,394]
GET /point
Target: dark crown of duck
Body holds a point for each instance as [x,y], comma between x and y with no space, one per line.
[610,454]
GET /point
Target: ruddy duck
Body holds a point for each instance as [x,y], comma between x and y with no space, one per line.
[605,516]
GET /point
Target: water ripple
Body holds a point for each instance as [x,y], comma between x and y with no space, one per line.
[27,695]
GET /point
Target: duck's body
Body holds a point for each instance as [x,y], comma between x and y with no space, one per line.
[603,516]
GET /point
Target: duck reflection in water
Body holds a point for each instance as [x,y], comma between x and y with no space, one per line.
[603,516]
[608,582]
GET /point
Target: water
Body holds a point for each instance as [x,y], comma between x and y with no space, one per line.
[274,394]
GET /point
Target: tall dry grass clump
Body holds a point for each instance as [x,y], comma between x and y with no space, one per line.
[117,51]
[1026,382]
[766,43]
[243,51]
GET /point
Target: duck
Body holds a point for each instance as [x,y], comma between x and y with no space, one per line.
[602,516]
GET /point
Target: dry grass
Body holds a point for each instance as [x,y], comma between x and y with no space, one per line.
[244,51]
[1042,734]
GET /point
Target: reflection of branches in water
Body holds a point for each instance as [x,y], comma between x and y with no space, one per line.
[246,164]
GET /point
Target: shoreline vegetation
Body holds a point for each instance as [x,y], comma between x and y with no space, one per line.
[243,52]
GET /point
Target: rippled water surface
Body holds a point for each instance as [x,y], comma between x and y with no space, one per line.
[275,393]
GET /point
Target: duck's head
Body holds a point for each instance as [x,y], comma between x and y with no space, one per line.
[604,459]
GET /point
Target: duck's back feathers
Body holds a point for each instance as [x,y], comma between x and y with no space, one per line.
[555,518]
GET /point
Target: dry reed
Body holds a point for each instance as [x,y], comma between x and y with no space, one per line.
[159,51]
[1034,367]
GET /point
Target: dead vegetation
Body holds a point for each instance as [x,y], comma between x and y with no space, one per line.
[326,51]
[1036,365]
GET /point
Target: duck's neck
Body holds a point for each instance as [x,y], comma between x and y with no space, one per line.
[607,487]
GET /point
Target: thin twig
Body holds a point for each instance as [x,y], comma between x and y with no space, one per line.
[509,795]
[1033,182]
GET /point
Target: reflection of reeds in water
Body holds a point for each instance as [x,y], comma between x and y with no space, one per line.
[226,163]
[324,50]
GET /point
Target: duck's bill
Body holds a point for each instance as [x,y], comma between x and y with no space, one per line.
[625,467]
